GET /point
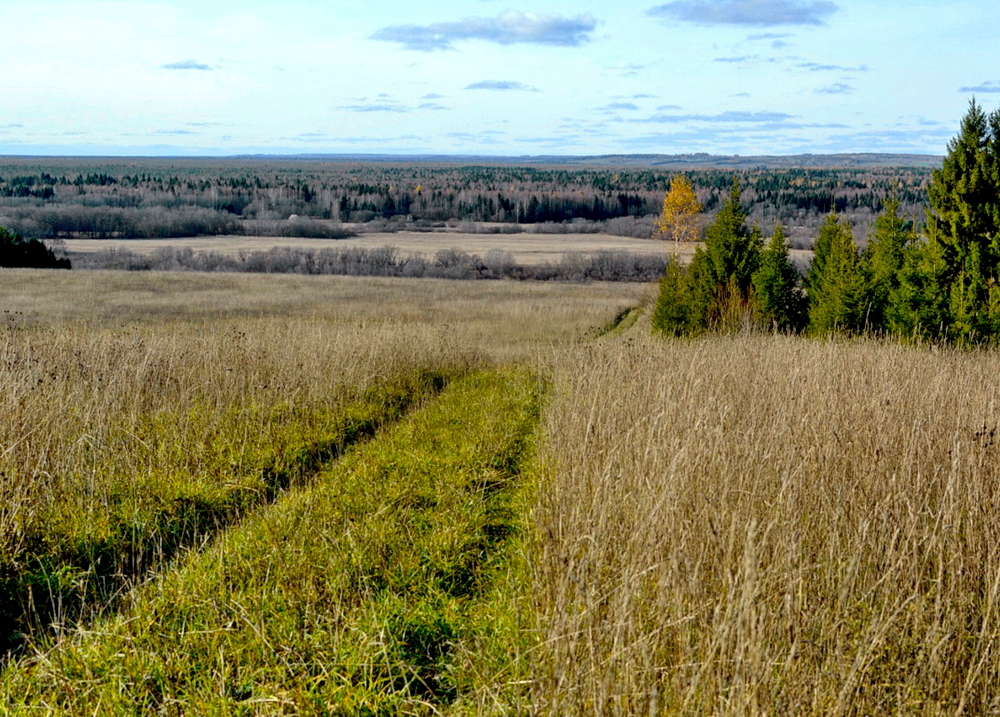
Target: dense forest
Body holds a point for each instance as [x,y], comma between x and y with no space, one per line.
[154,198]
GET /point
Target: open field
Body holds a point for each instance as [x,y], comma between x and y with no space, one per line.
[529,249]
[312,495]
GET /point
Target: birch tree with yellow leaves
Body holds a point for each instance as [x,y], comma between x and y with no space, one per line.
[679,220]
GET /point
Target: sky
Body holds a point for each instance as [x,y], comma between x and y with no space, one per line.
[492,77]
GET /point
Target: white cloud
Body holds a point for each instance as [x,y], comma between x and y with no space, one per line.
[507,28]
[762,13]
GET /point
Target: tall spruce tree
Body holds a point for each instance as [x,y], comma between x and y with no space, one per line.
[882,262]
[673,313]
[963,228]
[722,271]
[835,283]
[716,290]
[776,286]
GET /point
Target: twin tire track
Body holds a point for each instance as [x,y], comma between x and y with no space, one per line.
[358,593]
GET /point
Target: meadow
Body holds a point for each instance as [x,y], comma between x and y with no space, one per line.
[523,248]
[244,494]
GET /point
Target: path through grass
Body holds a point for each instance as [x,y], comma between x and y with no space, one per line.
[372,591]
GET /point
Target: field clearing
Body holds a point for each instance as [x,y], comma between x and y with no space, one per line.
[501,320]
[734,525]
[528,249]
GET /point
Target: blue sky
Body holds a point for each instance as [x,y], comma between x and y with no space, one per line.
[485,77]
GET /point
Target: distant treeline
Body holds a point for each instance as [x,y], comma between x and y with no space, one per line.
[388,261]
[169,198]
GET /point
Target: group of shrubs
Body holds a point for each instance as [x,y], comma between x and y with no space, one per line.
[388,261]
[941,283]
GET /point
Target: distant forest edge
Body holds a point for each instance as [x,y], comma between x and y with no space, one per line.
[699,160]
[49,198]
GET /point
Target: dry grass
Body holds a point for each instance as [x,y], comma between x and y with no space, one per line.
[734,525]
[526,248]
[498,319]
[127,401]
[755,524]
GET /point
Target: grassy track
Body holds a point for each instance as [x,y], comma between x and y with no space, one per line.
[371,591]
[65,567]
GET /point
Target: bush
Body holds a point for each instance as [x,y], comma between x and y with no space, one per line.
[673,312]
[17,252]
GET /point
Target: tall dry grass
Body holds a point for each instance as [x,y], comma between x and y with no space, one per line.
[751,524]
[127,398]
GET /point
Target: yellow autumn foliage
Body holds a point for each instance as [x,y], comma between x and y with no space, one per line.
[678,220]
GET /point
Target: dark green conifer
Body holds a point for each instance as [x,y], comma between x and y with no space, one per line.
[722,271]
[835,283]
[673,314]
[776,286]
[17,252]
[963,227]
[883,259]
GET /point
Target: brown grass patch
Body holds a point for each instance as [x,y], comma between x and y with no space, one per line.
[764,524]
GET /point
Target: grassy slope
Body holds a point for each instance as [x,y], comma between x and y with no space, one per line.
[368,592]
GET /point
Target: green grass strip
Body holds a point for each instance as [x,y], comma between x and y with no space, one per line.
[363,593]
[72,567]
[623,321]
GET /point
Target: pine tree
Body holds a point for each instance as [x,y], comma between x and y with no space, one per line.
[779,299]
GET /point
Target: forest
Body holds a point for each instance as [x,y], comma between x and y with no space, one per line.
[166,198]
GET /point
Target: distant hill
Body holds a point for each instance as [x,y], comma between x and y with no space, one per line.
[658,161]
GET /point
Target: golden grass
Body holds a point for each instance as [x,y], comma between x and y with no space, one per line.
[751,524]
[130,400]
[504,320]
[733,525]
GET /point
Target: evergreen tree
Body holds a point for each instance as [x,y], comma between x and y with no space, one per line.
[722,271]
[673,314]
[883,260]
[919,305]
[716,291]
[963,225]
[732,249]
[836,286]
[17,252]
[776,286]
